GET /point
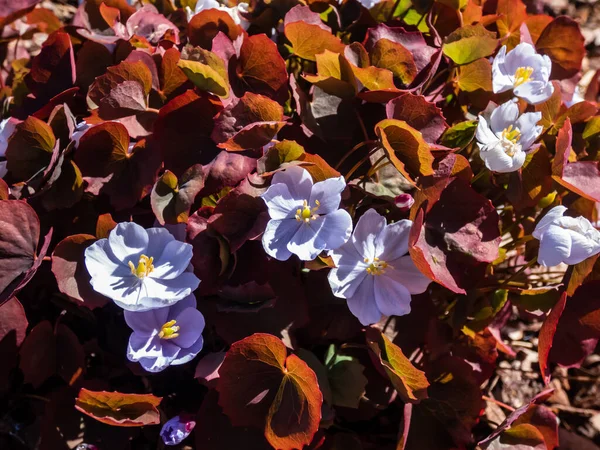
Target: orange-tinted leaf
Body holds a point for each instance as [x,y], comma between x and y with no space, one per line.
[170,75]
[205,25]
[536,24]
[309,40]
[281,152]
[334,75]
[396,58]
[117,409]
[563,42]
[405,148]
[534,182]
[475,76]
[53,69]
[420,114]
[261,386]
[512,14]
[319,169]
[546,336]
[410,382]
[104,225]
[261,67]
[209,74]
[469,43]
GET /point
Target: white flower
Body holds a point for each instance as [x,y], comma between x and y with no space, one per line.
[373,271]
[7,128]
[141,269]
[565,239]
[524,71]
[505,138]
[368,3]
[234,12]
[79,131]
[305,219]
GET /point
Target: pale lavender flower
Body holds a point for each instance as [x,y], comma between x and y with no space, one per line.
[565,239]
[373,271]
[305,219]
[7,128]
[164,337]
[524,71]
[505,137]
[141,269]
[177,429]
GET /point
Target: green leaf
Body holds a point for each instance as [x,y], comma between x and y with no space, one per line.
[469,43]
[459,135]
[346,378]
[209,75]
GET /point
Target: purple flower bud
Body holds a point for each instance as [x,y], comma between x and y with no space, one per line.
[404,202]
[177,429]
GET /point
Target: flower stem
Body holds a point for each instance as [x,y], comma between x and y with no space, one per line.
[480,175]
[519,272]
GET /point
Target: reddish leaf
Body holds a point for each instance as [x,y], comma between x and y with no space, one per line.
[406,148]
[111,165]
[69,269]
[536,25]
[13,9]
[578,329]
[183,127]
[309,40]
[170,75]
[117,409]
[249,123]
[533,182]
[335,75]
[261,68]
[123,90]
[53,70]
[546,337]
[205,25]
[420,114]
[410,382]
[263,387]
[30,148]
[396,58]
[455,233]
[13,321]
[318,168]
[47,351]
[563,42]
[580,177]
[19,234]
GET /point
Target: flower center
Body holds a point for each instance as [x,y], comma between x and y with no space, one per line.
[306,214]
[522,75]
[377,267]
[144,267]
[169,330]
[510,140]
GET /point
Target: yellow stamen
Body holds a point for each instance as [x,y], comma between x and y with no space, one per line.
[169,330]
[306,214]
[522,75]
[377,267]
[511,134]
[144,266]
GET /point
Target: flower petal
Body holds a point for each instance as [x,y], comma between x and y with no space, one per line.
[520,56]
[392,242]
[392,298]
[555,246]
[303,242]
[484,133]
[187,354]
[504,116]
[530,131]
[369,226]
[128,241]
[497,160]
[501,80]
[158,239]
[404,271]
[191,324]
[349,273]
[534,92]
[99,261]
[551,216]
[174,260]
[328,193]
[164,292]
[298,181]
[363,305]
[581,248]
[280,203]
[335,230]
[276,237]
[146,323]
